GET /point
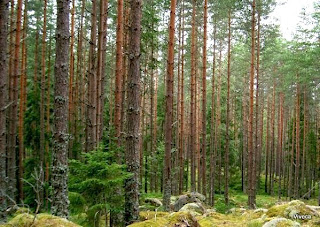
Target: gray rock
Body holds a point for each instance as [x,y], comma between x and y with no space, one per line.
[153,201]
[196,208]
[182,200]
[277,221]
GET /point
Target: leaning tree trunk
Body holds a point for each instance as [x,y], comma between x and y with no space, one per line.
[60,200]
[133,116]
[3,102]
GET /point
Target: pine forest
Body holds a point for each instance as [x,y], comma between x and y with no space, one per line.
[159,113]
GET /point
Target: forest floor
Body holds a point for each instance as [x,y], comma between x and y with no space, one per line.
[269,212]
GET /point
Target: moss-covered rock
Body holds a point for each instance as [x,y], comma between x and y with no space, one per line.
[153,201]
[22,210]
[182,218]
[195,208]
[237,211]
[148,207]
[291,210]
[22,220]
[281,222]
[158,222]
[148,215]
[41,220]
[53,221]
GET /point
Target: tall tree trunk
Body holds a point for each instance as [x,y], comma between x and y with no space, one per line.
[60,201]
[91,105]
[291,169]
[71,105]
[3,105]
[305,130]
[48,130]
[119,73]
[251,151]
[297,163]
[280,140]
[272,140]
[212,125]
[266,188]
[12,183]
[101,70]
[22,104]
[42,97]
[133,115]
[204,99]
[226,157]
[169,108]
[257,132]
[80,77]
[192,107]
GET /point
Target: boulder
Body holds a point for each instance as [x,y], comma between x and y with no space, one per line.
[197,195]
[41,220]
[182,200]
[281,222]
[291,210]
[193,197]
[182,219]
[194,208]
[153,201]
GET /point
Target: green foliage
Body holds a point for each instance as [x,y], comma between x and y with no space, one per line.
[77,202]
[95,179]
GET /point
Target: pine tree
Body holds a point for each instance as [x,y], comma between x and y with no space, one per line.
[133,115]
[4,4]
[60,201]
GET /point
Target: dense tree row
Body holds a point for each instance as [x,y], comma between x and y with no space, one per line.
[154,96]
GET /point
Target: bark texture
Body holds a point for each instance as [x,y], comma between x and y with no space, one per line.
[60,200]
[169,107]
[133,115]
[3,102]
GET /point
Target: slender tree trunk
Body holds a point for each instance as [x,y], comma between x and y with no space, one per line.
[80,77]
[91,105]
[14,109]
[297,163]
[304,140]
[60,201]
[251,151]
[181,133]
[22,104]
[169,108]
[47,156]
[133,115]
[291,170]
[119,73]
[42,98]
[3,105]
[267,189]
[212,126]
[192,108]
[257,133]
[272,148]
[226,157]
[204,99]
[280,140]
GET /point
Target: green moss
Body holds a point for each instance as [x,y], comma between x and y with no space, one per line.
[22,220]
[159,222]
[277,210]
[148,215]
[53,221]
[27,220]
[182,217]
[255,223]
